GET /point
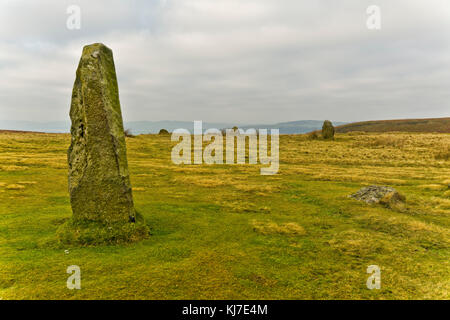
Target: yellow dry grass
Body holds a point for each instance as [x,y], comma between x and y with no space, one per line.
[270,227]
[226,232]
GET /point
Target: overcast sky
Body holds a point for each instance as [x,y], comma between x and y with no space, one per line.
[241,61]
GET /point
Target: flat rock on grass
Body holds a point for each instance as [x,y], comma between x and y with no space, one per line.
[378,194]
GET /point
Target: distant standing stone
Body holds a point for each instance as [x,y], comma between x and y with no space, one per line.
[327,130]
[99,182]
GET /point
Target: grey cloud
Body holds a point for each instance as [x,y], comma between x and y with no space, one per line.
[235,61]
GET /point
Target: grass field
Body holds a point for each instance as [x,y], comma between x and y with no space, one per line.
[226,232]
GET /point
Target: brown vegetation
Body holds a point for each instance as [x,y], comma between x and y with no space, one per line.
[441,125]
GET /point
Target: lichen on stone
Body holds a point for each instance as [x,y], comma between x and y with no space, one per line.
[99,182]
[384,195]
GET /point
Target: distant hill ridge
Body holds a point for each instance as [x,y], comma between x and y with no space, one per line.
[441,125]
[144,127]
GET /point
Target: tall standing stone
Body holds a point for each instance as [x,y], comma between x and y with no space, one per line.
[327,130]
[99,182]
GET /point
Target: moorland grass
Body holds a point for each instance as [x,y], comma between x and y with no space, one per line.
[95,233]
[226,232]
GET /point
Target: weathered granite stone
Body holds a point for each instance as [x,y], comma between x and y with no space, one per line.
[99,182]
[378,194]
[327,130]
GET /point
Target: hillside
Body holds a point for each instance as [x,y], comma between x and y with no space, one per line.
[293,127]
[144,127]
[432,125]
[441,125]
